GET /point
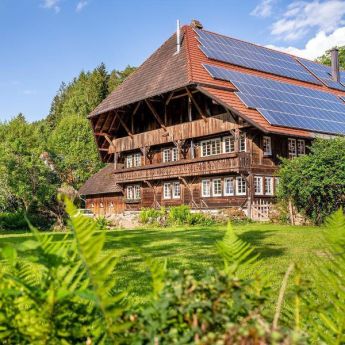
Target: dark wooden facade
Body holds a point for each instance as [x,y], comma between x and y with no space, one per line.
[171,134]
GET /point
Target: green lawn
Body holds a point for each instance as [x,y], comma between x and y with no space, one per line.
[194,248]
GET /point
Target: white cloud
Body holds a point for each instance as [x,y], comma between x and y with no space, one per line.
[301,16]
[317,45]
[81,4]
[263,9]
[52,5]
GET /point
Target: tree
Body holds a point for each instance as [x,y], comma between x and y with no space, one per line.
[24,176]
[315,183]
[326,58]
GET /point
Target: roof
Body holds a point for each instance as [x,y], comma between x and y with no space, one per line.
[102,182]
[165,71]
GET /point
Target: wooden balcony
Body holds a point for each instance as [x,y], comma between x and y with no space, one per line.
[225,163]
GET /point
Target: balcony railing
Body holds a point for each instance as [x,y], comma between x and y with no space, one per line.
[213,165]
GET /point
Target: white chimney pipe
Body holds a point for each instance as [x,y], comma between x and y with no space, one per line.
[178,36]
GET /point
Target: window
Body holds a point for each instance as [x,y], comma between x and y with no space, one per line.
[133,192]
[211,147]
[292,150]
[167,191]
[176,190]
[267,146]
[300,147]
[269,185]
[241,186]
[133,160]
[228,144]
[217,187]
[92,205]
[205,188]
[174,154]
[166,155]
[229,186]
[101,204]
[242,145]
[137,160]
[111,204]
[258,185]
[276,184]
[129,161]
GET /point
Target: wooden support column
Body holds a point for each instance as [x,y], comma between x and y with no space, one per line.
[191,98]
[190,119]
[156,204]
[125,127]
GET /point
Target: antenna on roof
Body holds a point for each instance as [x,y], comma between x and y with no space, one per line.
[178,36]
[335,64]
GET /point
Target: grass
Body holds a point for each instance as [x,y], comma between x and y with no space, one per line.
[194,248]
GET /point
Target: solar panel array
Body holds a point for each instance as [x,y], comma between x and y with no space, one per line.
[248,55]
[287,105]
[324,73]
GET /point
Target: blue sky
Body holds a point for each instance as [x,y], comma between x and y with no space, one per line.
[45,42]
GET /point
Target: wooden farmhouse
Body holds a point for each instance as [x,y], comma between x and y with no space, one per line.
[204,122]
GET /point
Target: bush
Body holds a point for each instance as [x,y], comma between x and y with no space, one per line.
[13,221]
[152,216]
[179,214]
[200,219]
[102,223]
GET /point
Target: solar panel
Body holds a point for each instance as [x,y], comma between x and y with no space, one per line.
[248,55]
[285,104]
[324,73]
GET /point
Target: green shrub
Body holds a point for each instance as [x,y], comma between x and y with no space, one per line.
[152,215]
[200,219]
[13,221]
[102,223]
[179,214]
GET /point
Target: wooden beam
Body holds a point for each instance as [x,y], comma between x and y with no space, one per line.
[169,98]
[125,127]
[196,105]
[155,114]
[113,122]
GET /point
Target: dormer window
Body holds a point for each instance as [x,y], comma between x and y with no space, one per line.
[267,146]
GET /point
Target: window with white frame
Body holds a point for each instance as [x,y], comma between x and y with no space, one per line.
[211,147]
[167,190]
[176,192]
[268,185]
[166,155]
[300,147]
[205,188]
[129,161]
[258,187]
[228,144]
[267,146]
[137,159]
[217,187]
[241,186]
[243,143]
[276,184]
[133,160]
[228,186]
[174,154]
[292,148]
[133,192]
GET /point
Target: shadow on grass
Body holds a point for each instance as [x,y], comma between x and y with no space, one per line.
[258,239]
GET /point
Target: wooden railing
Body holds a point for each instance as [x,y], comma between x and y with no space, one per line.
[197,167]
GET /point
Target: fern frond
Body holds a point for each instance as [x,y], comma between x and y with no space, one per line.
[99,268]
[236,253]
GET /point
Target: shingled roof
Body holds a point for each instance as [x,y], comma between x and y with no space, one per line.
[101,183]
